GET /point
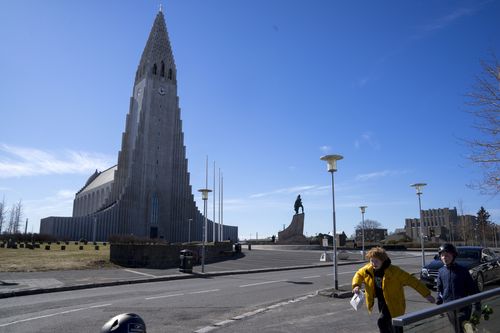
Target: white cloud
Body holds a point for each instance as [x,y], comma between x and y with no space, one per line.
[288,190]
[363,81]
[367,139]
[58,204]
[22,161]
[325,149]
[379,174]
[448,19]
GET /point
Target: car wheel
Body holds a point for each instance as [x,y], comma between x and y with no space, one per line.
[480,282]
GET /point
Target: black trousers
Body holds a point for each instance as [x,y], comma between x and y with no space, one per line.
[458,317]
[384,321]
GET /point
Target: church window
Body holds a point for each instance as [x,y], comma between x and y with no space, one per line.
[170,73]
[154,209]
[154,69]
[162,69]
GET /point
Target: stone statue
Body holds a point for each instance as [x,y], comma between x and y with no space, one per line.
[298,204]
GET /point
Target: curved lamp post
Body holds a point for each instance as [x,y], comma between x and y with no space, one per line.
[418,187]
[331,161]
[363,209]
[204,196]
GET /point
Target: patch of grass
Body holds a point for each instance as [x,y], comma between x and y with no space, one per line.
[27,260]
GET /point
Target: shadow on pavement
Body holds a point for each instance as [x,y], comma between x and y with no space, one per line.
[299,282]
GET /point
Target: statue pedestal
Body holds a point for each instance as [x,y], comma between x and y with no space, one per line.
[294,233]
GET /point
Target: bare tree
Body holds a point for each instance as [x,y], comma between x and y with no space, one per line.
[15,216]
[10,227]
[369,224]
[3,214]
[484,101]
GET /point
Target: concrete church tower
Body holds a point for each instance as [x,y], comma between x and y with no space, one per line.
[147,193]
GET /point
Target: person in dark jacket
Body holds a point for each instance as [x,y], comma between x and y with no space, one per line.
[454,282]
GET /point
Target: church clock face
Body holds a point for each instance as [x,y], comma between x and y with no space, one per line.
[161,91]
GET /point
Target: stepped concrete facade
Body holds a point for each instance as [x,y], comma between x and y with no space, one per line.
[147,194]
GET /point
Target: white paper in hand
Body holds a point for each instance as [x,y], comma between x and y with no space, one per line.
[357,300]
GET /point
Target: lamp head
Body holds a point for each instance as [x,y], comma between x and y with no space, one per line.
[418,187]
[363,209]
[204,193]
[331,160]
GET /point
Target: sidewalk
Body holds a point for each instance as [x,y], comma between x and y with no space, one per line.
[28,283]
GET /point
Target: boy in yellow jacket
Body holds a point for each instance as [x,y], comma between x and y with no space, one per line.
[385,282]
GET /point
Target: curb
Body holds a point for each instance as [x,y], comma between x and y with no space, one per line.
[162,279]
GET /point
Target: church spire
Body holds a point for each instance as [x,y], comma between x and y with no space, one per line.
[157,58]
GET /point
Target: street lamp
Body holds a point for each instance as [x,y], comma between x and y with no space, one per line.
[331,161]
[418,187]
[204,196]
[189,230]
[363,209]
[94,227]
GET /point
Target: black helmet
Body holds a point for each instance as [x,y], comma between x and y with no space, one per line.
[125,323]
[447,247]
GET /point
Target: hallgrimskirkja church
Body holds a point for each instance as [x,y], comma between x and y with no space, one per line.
[147,194]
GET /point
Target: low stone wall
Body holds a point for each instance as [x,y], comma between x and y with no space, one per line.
[164,256]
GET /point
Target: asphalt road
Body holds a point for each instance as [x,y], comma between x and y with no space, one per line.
[202,305]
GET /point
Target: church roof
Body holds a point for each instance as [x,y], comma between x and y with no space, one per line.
[102,178]
[158,49]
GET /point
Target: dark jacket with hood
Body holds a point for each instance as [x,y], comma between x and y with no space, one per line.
[454,282]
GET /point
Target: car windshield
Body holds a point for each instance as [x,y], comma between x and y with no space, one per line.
[468,254]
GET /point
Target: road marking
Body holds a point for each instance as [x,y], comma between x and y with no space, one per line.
[252,313]
[54,314]
[141,273]
[342,273]
[311,277]
[224,322]
[206,329]
[164,296]
[259,283]
[203,291]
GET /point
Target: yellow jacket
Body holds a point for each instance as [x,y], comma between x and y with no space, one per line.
[392,286]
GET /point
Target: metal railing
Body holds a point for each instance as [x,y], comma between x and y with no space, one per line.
[431,319]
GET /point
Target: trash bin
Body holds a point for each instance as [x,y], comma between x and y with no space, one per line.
[186,265]
[237,248]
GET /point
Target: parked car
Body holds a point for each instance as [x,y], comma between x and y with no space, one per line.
[483,265]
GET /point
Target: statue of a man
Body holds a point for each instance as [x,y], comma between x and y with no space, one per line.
[298,204]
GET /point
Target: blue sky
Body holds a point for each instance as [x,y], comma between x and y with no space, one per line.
[266,88]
